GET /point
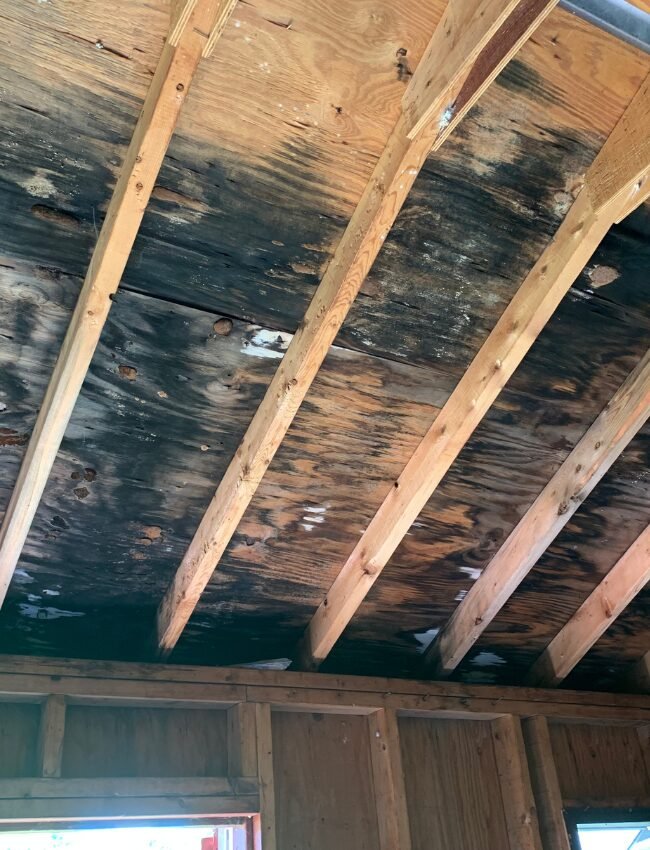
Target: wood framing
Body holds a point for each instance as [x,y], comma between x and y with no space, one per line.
[581,471]
[106,683]
[516,789]
[190,36]
[52,730]
[123,798]
[264,828]
[597,206]
[545,783]
[619,587]
[388,781]
[473,45]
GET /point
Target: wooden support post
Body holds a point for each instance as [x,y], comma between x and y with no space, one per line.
[194,27]
[545,783]
[471,45]
[516,790]
[52,731]
[242,740]
[264,823]
[388,781]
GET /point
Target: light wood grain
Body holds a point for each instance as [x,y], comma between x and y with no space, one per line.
[264,827]
[576,478]
[102,683]
[242,740]
[545,784]
[52,730]
[371,221]
[558,267]
[165,98]
[625,580]
[388,781]
[516,790]
[604,764]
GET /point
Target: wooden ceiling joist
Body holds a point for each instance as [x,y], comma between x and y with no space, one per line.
[194,27]
[578,475]
[470,46]
[624,581]
[613,182]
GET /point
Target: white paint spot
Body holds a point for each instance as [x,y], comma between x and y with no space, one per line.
[307,526]
[23,576]
[487,659]
[445,118]
[31,597]
[472,572]
[48,592]
[264,66]
[460,595]
[39,185]
[37,612]
[266,343]
[425,639]
[237,24]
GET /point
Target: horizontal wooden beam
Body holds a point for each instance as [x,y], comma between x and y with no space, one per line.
[191,30]
[108,683]
[465,39]
[60,800]
[537,298]
[610,598]
[576,478]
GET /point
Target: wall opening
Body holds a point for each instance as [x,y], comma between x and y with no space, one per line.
[618,831]
[227,834]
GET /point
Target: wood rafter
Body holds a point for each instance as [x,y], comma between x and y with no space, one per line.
[468,49]
[599,204]
[593,455]
[619,587]
[194,28]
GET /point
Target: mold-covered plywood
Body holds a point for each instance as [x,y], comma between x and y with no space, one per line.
[281,130]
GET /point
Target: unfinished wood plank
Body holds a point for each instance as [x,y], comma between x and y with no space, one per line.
[388,781]
[559,265]
[477,39]
[615,592]
[242,740]
[373,217]
[516,790]
[52,731]
[264,828]
[620,176]
[581,471]
[545,783]
[128,786]
[190,33]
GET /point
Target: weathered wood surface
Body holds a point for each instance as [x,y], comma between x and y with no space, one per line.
[445,762]
[479,215]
